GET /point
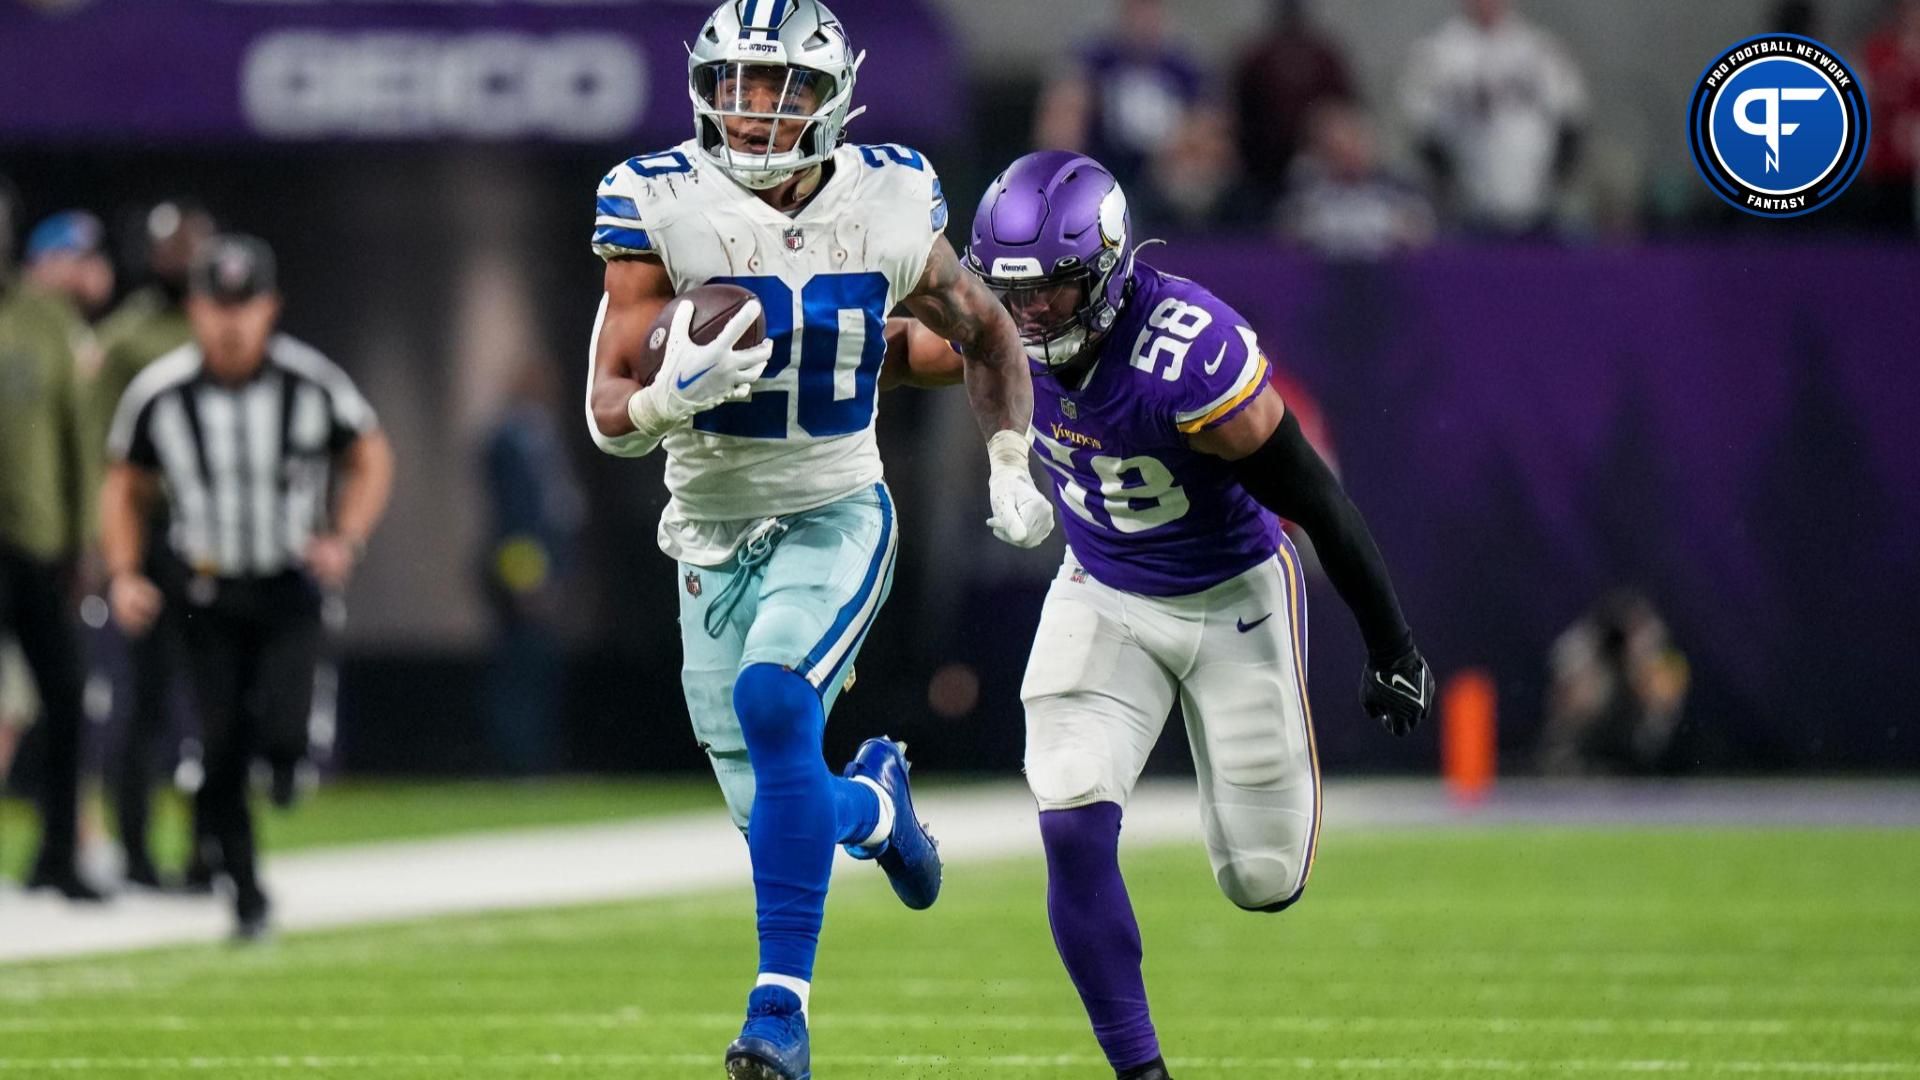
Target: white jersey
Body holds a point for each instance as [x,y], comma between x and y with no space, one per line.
[827,277]
[1499,98]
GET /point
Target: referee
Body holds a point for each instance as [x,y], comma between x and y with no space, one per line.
[274,473]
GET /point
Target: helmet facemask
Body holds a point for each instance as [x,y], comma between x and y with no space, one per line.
[1059,316]
[1047,312]
[763,122]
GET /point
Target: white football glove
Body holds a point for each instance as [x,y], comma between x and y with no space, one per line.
[1021,515]
[694,377]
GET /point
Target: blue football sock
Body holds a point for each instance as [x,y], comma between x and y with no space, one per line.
[856,810]
[800,813]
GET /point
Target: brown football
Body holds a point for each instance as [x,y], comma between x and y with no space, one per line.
[713,306]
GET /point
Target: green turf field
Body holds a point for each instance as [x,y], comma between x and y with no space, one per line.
[1493,953]
[365,811]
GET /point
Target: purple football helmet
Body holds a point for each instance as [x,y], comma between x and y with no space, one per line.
[1053,240]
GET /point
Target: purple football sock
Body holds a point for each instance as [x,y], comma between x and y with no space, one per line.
[1093,928]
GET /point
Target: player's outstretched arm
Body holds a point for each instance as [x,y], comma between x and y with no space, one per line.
[953,304]
[1275,464]
[918,357]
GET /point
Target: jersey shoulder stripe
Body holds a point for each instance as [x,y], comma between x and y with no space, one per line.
[1253,377]
[639,200]
[170,370]
[308,363]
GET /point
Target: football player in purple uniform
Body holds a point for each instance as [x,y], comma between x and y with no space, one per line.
[1170,458]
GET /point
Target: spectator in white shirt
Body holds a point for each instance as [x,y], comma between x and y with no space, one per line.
[1497,107]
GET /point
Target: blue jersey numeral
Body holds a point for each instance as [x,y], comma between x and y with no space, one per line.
[764,415]
[821,412]
[899,155]
[662,164]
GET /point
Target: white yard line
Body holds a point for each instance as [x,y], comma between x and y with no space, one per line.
[529,868]
[523,1063]
[525,868]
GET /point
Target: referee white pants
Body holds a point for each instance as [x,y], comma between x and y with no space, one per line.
[1103,676]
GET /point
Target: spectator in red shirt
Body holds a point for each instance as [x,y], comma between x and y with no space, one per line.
[1892,70]
[1276,85]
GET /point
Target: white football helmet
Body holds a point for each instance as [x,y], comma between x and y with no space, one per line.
[768,73]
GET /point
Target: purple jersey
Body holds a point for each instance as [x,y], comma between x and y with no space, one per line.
[1143,511]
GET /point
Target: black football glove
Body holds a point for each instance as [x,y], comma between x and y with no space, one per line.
[1398,693]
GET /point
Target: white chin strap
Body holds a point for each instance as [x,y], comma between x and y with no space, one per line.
[761,180]
[1060,350]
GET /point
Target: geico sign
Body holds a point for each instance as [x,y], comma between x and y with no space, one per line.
[307,83]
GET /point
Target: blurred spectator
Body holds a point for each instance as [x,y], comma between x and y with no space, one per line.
[1497,108]
[538,512]
[1125,96]
[1795,17]
[1342,203]
[1194,182]
[152,320]
[1617,688]
[1279,80]
[1890,181]
[148,324]
[65,257]
[43,524]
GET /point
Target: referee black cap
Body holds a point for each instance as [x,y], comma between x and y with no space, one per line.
[232,267]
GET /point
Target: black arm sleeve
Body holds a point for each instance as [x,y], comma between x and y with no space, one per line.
[1287,477]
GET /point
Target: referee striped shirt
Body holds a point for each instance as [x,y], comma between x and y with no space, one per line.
[248,467]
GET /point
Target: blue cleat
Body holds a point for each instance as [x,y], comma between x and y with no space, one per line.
[773,1044]
[910,856]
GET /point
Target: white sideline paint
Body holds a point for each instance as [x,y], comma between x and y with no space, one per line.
[664,856]
[525,868]
[521,1063]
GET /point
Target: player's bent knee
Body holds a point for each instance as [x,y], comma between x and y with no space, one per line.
[1058,785]
[1067,776]
[1265,884]
[1279,906]
[772,704]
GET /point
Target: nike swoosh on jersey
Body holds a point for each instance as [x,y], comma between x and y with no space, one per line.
[682,384]
[1245,626]
[1217,357]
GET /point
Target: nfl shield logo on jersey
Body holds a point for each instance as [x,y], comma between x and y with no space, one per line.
[795,238]
[1069,409]
[693,583]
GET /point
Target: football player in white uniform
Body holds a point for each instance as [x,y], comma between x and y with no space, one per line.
[779,516]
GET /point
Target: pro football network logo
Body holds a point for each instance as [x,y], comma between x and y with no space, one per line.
[1778,125]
